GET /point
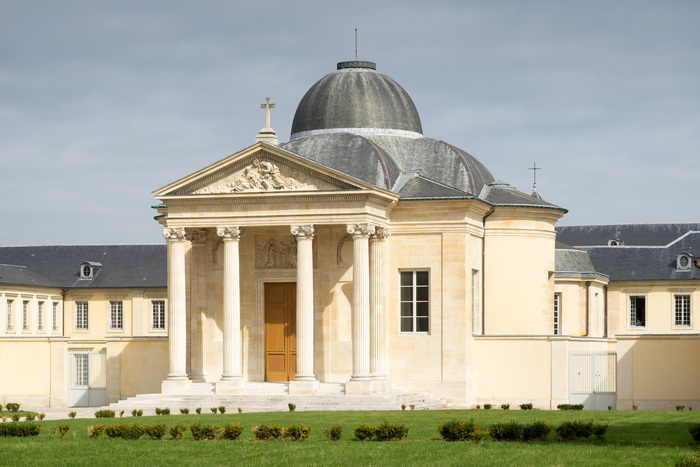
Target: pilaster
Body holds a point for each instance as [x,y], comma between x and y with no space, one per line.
[377,303]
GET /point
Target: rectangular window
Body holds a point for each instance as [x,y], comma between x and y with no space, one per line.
[557,313]
[158,314]
[40,317]
[682,308]
[25,315]
[9,315]
[116,315]
[81,315]
[55,317]
[415,304]
[81,375]
[638,312]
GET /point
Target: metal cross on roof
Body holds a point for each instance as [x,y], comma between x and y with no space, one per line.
[534,169]
[267,106]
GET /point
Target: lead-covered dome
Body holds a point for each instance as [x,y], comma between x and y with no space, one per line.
[357,98]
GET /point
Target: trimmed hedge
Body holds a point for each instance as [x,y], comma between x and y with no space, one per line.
[456,430]
[20,430]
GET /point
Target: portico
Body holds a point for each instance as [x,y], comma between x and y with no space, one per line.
[220,222]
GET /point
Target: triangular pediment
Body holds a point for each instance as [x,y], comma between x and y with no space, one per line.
[262,168]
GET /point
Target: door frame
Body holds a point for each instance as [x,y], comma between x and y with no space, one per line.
[292,355]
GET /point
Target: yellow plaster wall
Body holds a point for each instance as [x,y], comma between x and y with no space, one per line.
[660,307]
[513,369]
[143,366]
[519,281]
[26,367]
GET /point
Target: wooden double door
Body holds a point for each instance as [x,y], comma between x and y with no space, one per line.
[280,331]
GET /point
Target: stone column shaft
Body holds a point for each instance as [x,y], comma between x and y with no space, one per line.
[232,304]
[377,315]
[177,308]
[360,306]
[198,340]
[305,303]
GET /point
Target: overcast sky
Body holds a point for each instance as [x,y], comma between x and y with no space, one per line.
[103,102]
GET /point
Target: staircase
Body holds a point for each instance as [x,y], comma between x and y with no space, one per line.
[275,397]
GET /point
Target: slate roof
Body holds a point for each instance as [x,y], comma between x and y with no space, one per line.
[123,266]
[648,252]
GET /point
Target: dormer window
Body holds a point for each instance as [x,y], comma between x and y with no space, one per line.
[88,269]
[614,242]
[683,262]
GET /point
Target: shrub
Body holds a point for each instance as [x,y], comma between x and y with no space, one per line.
[487,406]
[21,430]
[96,431]
[0,407]
[364,432]
[222,410]
[136,413]
[12,406]
[121,414]
[59,431]
[106,413]
[72,414]
[198,410]
[184,411]
[292,407]
[570,407]
[387,432]
[610,407]
[634,407]
[511,431]
[299,432]
[413,406]
[688,461]
[4,419]
[196,430]
[694,431]
[334,433]
[158,411]
[537,430]
[277,431]
[478,406]
[165,411]
[210,431]
[156,430]
[527,406]
[213,410]
[232,431]
[240,410]
[125,431]
[570,431]
[403,406]
[29,417]
[15,417]
[41,416]
[261,432]
[680,408]
[457,430]
[177,431]
[505,406]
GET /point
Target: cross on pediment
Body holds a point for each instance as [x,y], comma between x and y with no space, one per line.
[267,106]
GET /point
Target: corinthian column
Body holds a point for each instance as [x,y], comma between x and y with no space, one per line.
[360,300]
[377,317]
[232,304]
[176,380]
[305,302]
[198,239]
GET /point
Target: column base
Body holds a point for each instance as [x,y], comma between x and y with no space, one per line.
[230,386]
[198,377]
[175,386]
[303,387]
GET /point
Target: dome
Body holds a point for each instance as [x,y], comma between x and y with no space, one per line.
[356,99]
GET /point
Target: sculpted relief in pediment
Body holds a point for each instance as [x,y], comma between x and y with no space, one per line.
[263,175]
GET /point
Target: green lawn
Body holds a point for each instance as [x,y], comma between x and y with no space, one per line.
[633,438]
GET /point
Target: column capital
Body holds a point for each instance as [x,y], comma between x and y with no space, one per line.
[303,231]
[230,233]
[381,233]
[175,234]
[360,230]
[196,235]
